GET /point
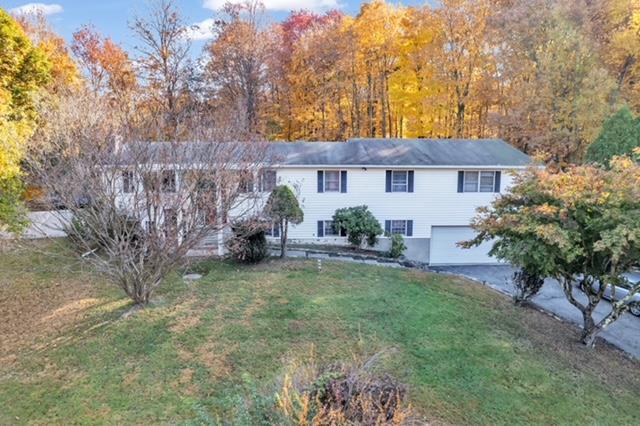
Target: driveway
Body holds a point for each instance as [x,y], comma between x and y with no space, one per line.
[624,333]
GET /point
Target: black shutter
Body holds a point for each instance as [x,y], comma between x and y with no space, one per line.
[460,181]
[387,226]
[388,184]
[410,183]
[320,181]
[343,231]
[497,182]
[343,181]
[320,229]
[409,228]
[276,229]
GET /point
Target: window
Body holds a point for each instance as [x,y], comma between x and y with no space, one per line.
[487,181]
[127,181]
[399,181]
[168,181]
[273,230]
[402,227]
[399,227]
[268,180]
[332,181]
[329,229]
[479,181]
[246,182]
[470,181]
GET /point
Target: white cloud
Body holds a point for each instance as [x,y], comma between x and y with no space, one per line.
[285,5]
[201,30]
[36,8]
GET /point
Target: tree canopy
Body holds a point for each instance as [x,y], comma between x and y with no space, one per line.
[283,208]
[620,135]
[24,72]
[579,225]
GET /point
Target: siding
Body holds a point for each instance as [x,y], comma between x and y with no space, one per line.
[435,200]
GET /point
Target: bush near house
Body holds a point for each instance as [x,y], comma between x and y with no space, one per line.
[397,246]
[249,242]
[361,225]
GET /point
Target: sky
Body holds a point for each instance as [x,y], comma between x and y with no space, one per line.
[111,17]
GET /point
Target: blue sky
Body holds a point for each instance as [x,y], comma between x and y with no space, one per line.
[111,17]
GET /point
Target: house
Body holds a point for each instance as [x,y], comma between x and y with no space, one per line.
[426,190]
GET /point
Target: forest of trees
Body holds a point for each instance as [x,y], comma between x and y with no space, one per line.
[542,74]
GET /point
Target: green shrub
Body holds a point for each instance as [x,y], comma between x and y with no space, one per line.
[397,246]
[360,224]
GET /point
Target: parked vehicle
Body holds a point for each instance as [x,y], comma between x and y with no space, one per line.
[615,293]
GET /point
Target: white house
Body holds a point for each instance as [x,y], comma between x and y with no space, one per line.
[426,190]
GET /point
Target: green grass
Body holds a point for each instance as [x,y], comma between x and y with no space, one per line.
[214,351]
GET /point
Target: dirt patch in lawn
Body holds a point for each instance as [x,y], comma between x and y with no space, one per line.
[39,304]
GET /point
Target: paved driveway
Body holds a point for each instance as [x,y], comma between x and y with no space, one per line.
[624,333]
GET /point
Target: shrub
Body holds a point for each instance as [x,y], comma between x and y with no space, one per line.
[343,394]
[360,224]
[397,246]
[127,230]
[248,243]
[527,284]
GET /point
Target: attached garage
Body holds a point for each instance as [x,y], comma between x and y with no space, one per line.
[445,251]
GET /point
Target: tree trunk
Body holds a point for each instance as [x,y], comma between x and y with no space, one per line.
[589,330]
[283,239]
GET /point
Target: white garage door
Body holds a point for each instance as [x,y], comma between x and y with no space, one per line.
[445,251]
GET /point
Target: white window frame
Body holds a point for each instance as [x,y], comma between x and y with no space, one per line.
[478,183]
[405,184]
[324,180]
[128,183]
[329,229]
[397,221]
[493,181]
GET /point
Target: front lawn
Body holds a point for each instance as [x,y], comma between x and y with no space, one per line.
[215,351]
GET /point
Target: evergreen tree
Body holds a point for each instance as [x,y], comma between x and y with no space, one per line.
[620,134]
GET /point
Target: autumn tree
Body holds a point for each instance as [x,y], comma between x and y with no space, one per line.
[616,31]
[25,71]
[163,50]
[65,76]
[236,60]
[558,91]
[580,226]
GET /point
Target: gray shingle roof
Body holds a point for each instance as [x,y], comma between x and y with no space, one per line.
[355,152]
[401,152]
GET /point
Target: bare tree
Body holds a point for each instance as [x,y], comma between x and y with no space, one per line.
[163,50]
[138,208]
